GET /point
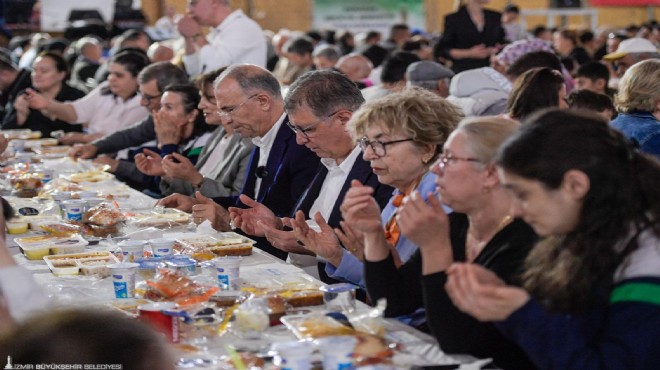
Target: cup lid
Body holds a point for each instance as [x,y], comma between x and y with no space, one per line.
[338,288]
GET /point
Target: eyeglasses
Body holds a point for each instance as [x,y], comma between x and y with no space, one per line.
[305,130]
[227,112]
[378,147]
[448,159]
[149,98]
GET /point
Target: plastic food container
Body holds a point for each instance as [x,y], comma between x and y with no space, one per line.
[148,266]
[17,227]
[162,247]
[36,252]
[132,249]
[74,244]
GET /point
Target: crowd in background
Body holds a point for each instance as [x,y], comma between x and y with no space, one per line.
[497,185]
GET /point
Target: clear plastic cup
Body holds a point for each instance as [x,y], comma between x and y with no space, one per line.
[337,351]
[162,247]
[73,209]
[293,355]
[228,270]
[132,249]
[339,297]
[123,279]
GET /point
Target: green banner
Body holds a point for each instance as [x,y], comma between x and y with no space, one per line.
[368,15]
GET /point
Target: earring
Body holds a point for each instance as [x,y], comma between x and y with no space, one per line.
[426,160]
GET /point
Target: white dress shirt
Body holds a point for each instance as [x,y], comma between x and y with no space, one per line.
[216,156]
[265,143]
[237,39]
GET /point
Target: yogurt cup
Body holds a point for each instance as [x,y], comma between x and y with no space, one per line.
[73,209]
[187,266]
[123,279]
[337,351]
[132,249]
[162,247]
[227,271]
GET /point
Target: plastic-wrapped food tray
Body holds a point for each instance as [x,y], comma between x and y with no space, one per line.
[89,263]
[37,247]
[221,244]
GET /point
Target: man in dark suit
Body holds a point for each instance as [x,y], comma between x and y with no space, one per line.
[319,104]
[250,101]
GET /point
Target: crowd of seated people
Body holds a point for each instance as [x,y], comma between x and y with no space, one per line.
[498,187]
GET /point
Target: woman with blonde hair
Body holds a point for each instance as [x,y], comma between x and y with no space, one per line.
[480,230]
[638,104]
[401,135]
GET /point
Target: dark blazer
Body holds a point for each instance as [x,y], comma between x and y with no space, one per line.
[461,33]
[361,171]
[289,170]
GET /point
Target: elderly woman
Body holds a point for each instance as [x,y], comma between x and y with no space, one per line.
[591,286]
[222,165]
[49,73]
[180,131]
[113,105]
[534,90]
[481,230]
[400,135]
[638,103]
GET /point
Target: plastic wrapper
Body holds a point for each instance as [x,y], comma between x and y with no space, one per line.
[57,186]
[176,287]
[104,214]
[166,219]
[205,247]
[61,228]
[315,326]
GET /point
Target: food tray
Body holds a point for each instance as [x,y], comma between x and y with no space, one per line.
[161,220]
[36,143]
[90,176]
[57,149]
[89,263]
[37,247]
[221,244]
[314,326]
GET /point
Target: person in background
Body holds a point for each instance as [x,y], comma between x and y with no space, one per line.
[600,104]
[542,33]
[471,35]
[419,46]
[511,24]
[49,339]
[589,298]
[632,51]
[593,76]
[49,74]
[638,104]
[222,164]
[536,89]
[357,68]
[401,135]
[130,39]
[87,63]
[345,41]
[12,81]
[480,230]
[393,77]
[298,60]
[399,34]
[109,107]
[325,56]
[431,76]
[234,37]
[160,52]
[566,45]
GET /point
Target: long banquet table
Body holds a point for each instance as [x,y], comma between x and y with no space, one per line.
[414,347]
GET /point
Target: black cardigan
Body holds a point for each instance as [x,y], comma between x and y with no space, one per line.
[406,290]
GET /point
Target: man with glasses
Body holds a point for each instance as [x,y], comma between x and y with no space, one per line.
[152,80]
[249,101]
[234,37]
[319,105]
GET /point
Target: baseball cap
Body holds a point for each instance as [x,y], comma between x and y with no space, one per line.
[632,45]
[427,71]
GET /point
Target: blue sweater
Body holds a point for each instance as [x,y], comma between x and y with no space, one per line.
[622,334]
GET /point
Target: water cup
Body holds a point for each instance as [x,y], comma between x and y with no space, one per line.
[339,297]
[293,355]
[162,247]
[132,249]
[337,351]
[155,314]
[227,269]
[123,279]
